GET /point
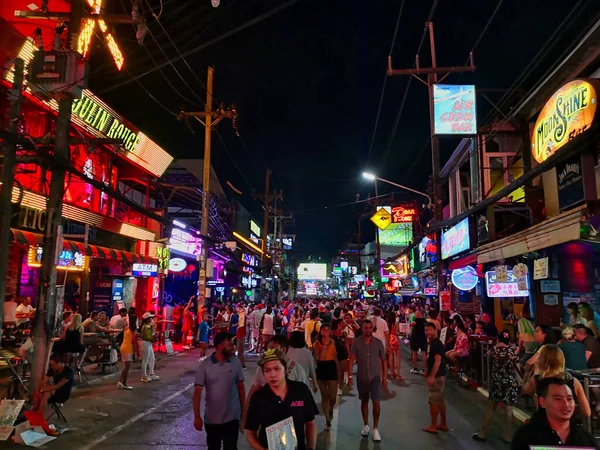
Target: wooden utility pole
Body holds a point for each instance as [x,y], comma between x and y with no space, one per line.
[8,175]
[432,79]
[211,119]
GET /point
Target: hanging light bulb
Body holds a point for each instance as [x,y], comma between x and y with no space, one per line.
[215,3]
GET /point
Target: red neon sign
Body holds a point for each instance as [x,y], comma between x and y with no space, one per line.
[400,214]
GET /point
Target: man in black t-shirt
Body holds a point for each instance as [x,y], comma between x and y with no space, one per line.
[418,341]
[59,390]
[592,347]
[436,379]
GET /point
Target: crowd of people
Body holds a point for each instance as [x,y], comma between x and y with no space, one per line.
[314,345]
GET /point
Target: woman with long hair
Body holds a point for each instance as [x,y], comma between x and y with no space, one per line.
[551,364]
[394,359]
[327,372]
[527,343]
[461,346]
[504,387]
[589,318]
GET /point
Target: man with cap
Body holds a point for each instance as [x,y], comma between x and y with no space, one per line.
[278,400]
[222,377]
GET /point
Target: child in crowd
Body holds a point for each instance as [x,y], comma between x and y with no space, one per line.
[129,347]
[148,339]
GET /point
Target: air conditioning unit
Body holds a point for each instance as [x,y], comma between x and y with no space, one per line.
[55,73]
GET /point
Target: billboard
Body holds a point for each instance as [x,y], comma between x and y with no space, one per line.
[456,240]
[510,288]
[312,271]
[454,109]
[395,237]
[568,113]
[184,242]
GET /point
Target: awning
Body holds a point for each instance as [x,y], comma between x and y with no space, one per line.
[406,292]
[93,251]
[554,231]
[463,262]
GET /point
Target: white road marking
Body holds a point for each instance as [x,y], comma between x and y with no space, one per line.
[134,419]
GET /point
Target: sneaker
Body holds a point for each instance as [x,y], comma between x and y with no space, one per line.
[146,380]
[120,385]
[244,367]
[422,372]
[127,387]
[414,371]
[376,435]
[154,377]
[365,430]
[340,393]
[187,347]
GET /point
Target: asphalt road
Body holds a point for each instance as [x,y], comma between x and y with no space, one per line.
[159,415]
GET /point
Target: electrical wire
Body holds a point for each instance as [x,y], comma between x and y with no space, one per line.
[385,77]
[408,84]
[233,160]
[209,43]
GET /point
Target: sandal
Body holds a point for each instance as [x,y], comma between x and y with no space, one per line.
[327,427]
[478,438]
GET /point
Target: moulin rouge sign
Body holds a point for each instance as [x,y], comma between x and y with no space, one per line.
[569,113]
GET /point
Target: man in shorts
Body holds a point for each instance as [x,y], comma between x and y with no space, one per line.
[369,353]
[436,380]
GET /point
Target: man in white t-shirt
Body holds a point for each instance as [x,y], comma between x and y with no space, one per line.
[24,312]
[382,331]
[255,319]
[267,327]
[10,310]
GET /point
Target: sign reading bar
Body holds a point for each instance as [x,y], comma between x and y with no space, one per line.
[403,214]
[454,109]
[568,113]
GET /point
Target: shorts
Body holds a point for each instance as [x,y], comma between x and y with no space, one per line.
[240,333]
[436,392]
[255,333]
[415,346]
[327,371]
[126,357]
[369,389]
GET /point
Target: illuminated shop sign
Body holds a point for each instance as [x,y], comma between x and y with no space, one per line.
[510,288]
[427,252]
[177,265]
[254,228]
[100,120]
[67,260]
[144,270]
[454,109]
[465,278]
[397,268]
[568,113]
[184,242]
[403,214]
[456,240]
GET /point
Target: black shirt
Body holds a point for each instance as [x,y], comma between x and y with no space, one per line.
[63,393]
[435,347]
[266,409]
[591,345]
[418,331]
[539,432]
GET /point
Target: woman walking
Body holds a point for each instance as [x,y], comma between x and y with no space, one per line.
[394,360]
[148,358]
[327,372]
[505,387]
[129,347]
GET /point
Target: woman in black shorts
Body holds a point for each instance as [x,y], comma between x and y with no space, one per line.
[327,372]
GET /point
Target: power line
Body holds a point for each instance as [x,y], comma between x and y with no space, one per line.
[385,82]
[213,41]
[233,160]
[408,84]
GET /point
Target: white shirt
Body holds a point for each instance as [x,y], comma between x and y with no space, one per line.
[256,318]
[10,312]
[268,324]
[25,310]
[382,328]
[117,322]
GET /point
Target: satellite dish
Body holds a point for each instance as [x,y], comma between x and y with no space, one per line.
[215,3]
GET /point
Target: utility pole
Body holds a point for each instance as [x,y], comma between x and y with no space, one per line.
[267,198]
[277,245]
[432,79]
[52,244]
[211,119]
[8,175]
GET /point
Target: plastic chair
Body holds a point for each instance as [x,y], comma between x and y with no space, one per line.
[56,411]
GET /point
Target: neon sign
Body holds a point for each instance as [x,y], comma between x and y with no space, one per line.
[505,289]
[67,260]
[456,240]
[400,214]
[183,242]
[465,278]
[568,113]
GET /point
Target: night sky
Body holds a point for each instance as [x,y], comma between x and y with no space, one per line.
[307,84]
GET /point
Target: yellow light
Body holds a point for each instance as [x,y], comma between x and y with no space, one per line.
[85,37]
[26,54]
[247,242]
[113,48]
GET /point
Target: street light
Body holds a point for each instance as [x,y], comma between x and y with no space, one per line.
[371,177]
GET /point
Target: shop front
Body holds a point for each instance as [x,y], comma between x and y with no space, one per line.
[181,283]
